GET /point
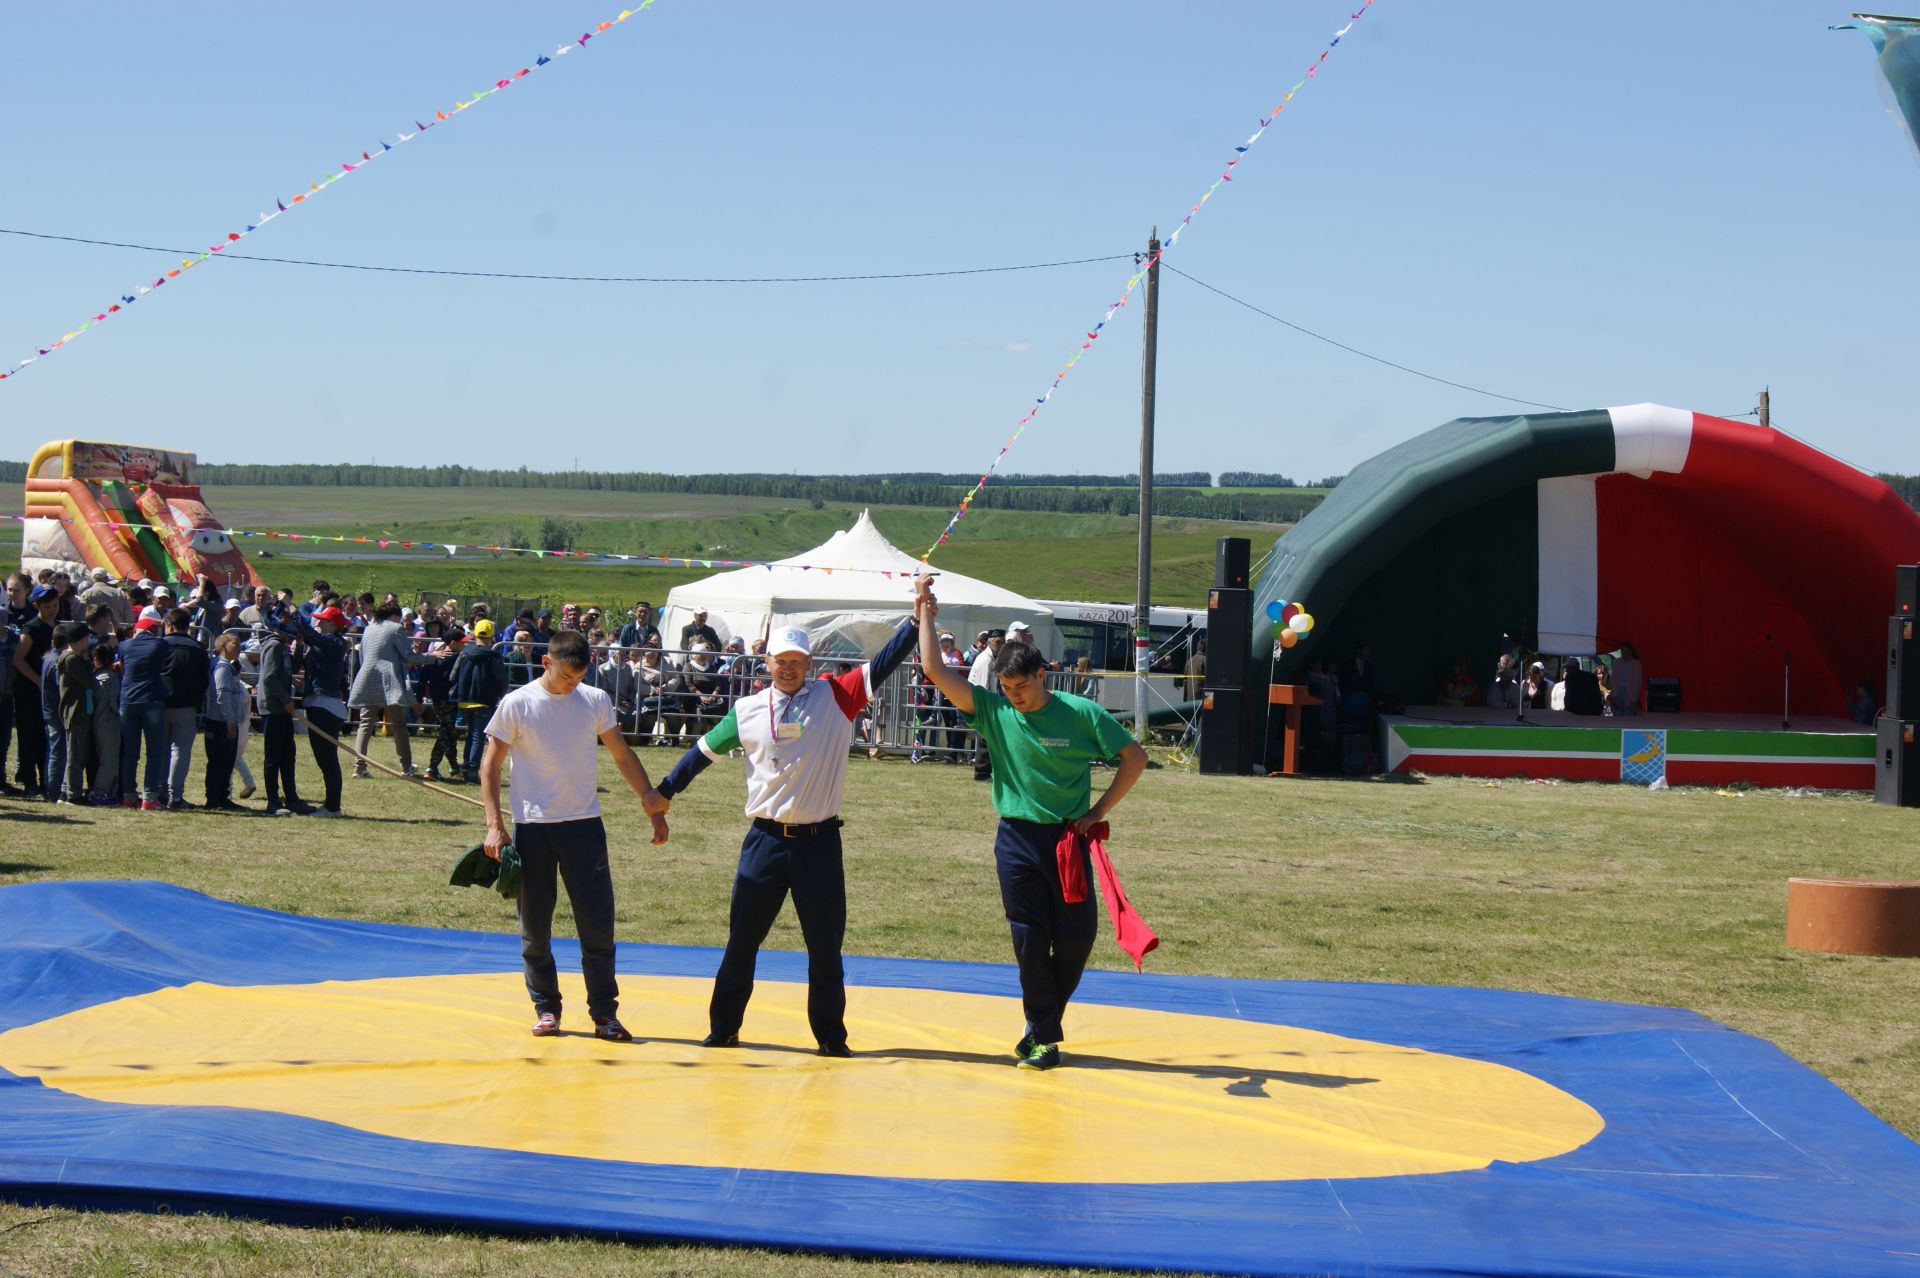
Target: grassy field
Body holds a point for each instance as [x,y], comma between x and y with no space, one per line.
[1092,568]
[1041,555]
[1604,892]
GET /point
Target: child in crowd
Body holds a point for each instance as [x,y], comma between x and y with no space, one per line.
[75,671]
[103,767]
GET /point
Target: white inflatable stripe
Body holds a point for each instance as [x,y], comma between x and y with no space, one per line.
[1569,546]
[1650,438]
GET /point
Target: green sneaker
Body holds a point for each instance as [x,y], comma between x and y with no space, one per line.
[1041,1056]
[1025,1045]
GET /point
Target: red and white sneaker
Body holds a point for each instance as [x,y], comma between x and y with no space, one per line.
[546,1025]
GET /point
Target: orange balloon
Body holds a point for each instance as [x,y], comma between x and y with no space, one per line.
[1288,638]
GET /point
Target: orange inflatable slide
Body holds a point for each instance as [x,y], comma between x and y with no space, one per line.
[133,510]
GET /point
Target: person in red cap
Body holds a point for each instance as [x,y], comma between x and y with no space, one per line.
[143,716]
[323,700]
[1043,746]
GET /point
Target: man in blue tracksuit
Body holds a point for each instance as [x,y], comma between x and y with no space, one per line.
[797,737]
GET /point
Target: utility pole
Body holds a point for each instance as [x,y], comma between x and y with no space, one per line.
[1143,586]
[1765,409]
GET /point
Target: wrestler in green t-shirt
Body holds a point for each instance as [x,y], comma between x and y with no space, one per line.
[1043,745]
[1043,760]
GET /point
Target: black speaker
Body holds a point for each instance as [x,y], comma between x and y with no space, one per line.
[1226,732]
[1896,763]
[1906,589]
[1229,636]
[1230,563]
[1903,670]
[1663,696]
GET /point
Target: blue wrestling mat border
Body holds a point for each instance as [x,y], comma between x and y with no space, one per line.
[1720,1155]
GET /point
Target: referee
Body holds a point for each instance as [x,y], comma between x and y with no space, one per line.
[797,735]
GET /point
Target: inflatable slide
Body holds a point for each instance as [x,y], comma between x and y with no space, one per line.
[134,511]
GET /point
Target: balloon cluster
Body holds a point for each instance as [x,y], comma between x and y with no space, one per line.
[1291,622]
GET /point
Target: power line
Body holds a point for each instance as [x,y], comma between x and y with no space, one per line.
[580,279]
[1354,350]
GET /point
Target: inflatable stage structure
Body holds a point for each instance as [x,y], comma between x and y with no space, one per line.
[1753,573]
[135,511]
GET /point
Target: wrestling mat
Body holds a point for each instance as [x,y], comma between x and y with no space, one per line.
[162,1047]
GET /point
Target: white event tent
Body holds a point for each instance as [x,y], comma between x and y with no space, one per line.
[850,593]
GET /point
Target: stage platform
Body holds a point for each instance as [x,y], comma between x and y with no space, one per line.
[1685,749]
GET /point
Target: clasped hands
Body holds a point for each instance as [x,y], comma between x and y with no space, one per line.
[655,805]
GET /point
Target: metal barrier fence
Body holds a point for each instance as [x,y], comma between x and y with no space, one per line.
[671,700]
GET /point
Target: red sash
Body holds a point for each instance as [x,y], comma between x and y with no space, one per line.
[1129,929]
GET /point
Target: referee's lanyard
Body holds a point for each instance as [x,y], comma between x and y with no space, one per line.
[783,720]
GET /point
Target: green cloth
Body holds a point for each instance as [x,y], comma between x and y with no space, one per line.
[1043,762]
[476,869]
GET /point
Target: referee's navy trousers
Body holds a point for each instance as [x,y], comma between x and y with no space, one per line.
[770,867]
[574,852]
[1051,939]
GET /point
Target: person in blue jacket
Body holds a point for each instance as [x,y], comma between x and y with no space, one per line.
[143,716]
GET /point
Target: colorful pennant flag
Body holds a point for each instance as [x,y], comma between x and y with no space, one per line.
[1133,281]
[314,188]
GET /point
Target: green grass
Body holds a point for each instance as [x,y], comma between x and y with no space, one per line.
[1092,568]
[1604,892]
[1038,554]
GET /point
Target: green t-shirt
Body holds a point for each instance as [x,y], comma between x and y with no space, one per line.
[1043,762]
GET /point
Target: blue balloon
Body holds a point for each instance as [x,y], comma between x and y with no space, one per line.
[1274,609]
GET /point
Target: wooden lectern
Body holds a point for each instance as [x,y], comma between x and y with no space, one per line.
[1293,696]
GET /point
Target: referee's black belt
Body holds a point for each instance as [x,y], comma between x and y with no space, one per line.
[783,830]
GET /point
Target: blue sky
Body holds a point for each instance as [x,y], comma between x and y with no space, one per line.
[1582,205]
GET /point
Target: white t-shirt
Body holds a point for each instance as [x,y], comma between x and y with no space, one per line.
[553,766]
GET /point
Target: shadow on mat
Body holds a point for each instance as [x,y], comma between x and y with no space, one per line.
[1240,1080]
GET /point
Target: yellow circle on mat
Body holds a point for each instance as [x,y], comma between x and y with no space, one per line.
[1144,1096]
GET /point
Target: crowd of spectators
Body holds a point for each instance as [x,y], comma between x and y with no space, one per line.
[107,687]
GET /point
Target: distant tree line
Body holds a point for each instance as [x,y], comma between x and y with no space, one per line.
[308,475]
[1908,486]
[1254,479]
[1177,494]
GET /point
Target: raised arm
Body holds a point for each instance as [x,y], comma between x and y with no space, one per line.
[891,654]
[925,610]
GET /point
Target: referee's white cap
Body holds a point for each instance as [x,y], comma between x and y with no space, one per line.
[788,639]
